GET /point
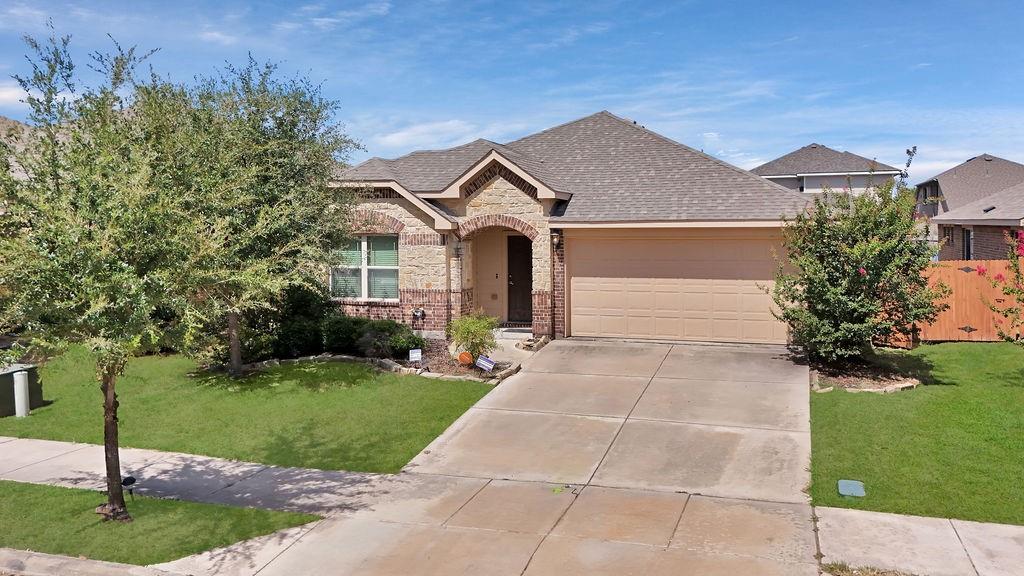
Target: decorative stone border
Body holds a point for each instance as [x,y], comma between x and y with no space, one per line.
[816,387]
[384,364]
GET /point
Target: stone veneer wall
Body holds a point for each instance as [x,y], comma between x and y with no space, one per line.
[989,242]
[436,271]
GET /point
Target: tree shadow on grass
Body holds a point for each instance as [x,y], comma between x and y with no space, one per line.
[314,376]
[880,368]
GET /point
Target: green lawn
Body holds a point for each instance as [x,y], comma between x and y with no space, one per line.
[952,448]
[62,521]
[330,415]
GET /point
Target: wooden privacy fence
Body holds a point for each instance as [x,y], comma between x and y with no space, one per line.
[968,317]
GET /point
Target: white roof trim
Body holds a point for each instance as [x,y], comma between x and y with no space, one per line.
[453,189]
[805,174]
[967,221]
[440,221]
[554,223]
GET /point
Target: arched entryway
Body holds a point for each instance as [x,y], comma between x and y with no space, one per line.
[502,260]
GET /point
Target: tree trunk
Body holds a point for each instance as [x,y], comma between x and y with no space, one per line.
[115,508]
[234,345]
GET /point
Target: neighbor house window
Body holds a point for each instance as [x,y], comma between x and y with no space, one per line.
[967,244]
[369,269]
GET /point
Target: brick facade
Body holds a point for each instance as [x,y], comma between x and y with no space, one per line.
[988,242]
[436,271]
[558,293]
[542,313]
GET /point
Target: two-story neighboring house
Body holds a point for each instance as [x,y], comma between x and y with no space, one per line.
[815,168]
[973,205]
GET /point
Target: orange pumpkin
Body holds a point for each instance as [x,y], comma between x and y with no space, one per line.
[465,358]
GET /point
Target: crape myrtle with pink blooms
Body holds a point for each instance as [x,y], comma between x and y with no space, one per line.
[853,273]
[1010,324]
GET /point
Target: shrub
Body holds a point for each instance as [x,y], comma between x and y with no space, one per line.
[341,333]
[388,339]
[474,333]
[298,337]
[290,329]
[853,273]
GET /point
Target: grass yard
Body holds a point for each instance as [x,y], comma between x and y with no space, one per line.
[330,415]
[62,521]
[951,448]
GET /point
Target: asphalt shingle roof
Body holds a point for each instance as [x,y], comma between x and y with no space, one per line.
[1005,205]
[977,178]
[820,159]
[616,171]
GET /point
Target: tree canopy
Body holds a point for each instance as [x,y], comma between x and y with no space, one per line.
[853,272]
[139,211]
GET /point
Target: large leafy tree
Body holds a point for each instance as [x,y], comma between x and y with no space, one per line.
[853,273]
[254,154]
[92,248]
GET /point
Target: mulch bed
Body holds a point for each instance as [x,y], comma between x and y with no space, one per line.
[437,359]
[862,376]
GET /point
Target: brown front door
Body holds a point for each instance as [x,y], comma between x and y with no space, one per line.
[520,279]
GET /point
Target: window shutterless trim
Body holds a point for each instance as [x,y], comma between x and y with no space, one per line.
[364,272]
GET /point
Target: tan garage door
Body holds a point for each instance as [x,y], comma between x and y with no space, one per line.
[673,284]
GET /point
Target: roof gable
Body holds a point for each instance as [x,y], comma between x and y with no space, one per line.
[977,178]
[1005,208]
[820,159]
[614,169]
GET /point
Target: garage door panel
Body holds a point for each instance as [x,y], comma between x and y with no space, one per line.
[674,288]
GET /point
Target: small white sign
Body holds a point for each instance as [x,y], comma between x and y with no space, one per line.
[415,355]
[485,363]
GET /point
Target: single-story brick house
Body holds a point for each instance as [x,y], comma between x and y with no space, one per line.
[598,227]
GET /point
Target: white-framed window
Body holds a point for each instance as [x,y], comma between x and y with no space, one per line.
[968,247]
[369,269]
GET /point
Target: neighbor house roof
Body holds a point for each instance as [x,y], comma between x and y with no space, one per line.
[1005,208]
[820,159]
[614,170]
[977,178]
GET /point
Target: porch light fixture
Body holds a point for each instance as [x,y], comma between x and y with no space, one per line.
[556,239]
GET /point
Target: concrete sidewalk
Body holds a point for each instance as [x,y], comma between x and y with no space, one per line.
[199,478]
[919,545]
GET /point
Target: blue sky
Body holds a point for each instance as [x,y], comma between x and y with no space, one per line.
[745,81]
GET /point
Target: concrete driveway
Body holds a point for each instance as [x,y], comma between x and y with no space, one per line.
[598,458]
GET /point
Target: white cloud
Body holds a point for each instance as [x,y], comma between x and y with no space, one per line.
[20,16]
[10,94]
[218,37]
[428,135]
[396,138]
[314,16]
[571,35]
